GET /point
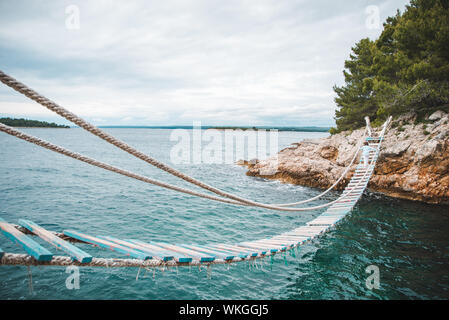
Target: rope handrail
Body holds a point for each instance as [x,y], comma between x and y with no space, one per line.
[93,162]
[33,95]
[332,186]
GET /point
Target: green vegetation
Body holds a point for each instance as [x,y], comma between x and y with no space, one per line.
[406,69]
[30,123]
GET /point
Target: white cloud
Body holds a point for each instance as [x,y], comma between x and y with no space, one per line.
[171,62]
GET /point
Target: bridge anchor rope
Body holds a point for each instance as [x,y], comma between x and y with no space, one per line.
[157,254]
[33,95]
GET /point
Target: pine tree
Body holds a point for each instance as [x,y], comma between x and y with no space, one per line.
[405,69]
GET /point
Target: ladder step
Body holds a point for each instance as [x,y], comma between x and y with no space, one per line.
[134,246]
[29,245]
[298,239]
[284,244]
[74,252]
[261,251]
[236,249]
[181,258]
[214,253]
[228,252]
[105,244]
[255,244]
[194,254]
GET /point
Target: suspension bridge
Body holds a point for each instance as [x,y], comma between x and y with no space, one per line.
[147,254]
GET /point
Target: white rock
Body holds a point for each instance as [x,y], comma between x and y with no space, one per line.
[427,149]
[397,148]
[437,115]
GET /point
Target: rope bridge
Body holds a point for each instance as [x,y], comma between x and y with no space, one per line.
[157,254]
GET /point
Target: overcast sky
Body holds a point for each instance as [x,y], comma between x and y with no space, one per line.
[173,62]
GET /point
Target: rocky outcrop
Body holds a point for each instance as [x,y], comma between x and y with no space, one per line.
[413,164]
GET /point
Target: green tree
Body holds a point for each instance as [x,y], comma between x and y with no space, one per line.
[405,69]
[30,123]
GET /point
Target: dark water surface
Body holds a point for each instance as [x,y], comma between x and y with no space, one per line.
[407,241]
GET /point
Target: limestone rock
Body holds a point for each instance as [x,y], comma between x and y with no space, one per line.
[437,115]
[413,164]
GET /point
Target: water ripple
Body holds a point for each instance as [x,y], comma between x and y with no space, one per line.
[406,240]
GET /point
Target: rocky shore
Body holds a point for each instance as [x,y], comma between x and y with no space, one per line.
[413,164]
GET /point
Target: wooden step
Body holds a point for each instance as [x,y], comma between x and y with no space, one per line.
[206,251]
[29,245]
[155,254]
[74,252]
[235,249]
[181,258]
[194,254]
[105,244]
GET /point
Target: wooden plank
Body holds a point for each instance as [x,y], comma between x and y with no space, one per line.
[105,244]
[311,234]
[299,239]
[324,222]
[177,257]
[261,248]
[225,255]
[309,229]
[336,213]
[353,197]
[327,218]
[29,245]
[74,252]
[260,251]
[134,246]
[354,183]
[240,254]
[197,255]
[357,182]
[301,234]
[283,243]
[334,210]
[254,251]
[331,216]
[344,206]
[204,250]
[264,245]
[356,188]
[236,249]
[336,217]
[345,200]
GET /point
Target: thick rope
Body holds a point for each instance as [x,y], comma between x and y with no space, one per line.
[33,95]
[64,261]
[80,157]
[93,162]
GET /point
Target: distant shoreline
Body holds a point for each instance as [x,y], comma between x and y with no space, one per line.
[297,129]
[26,123]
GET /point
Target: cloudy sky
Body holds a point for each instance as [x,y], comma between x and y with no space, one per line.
[173,62]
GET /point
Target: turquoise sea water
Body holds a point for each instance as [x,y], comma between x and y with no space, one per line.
[408,241]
